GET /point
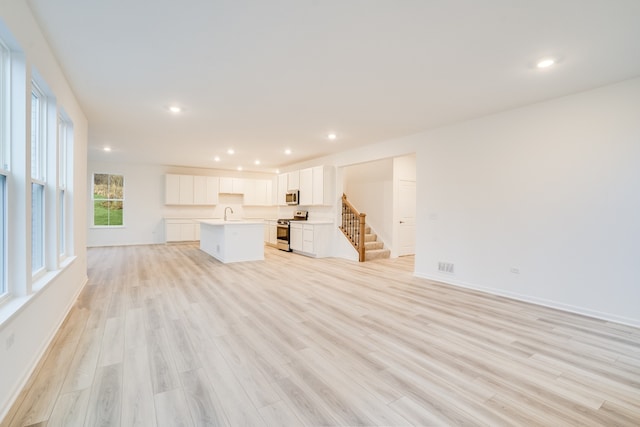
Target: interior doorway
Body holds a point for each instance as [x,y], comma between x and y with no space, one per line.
[385,190]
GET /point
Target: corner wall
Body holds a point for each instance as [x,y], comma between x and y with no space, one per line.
[539,203]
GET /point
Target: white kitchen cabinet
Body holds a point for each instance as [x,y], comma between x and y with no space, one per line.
[231,185]
[181,230]
[283,186]
[271,232]
[311,239]
[205,190]
[323,185]
[273,191]
[250,197]
[257,192]
[308,238]
[172,190]
[199,190]
[172,232]
[306,187]
[186,189]
[295,237]
[191,190]
[293,180]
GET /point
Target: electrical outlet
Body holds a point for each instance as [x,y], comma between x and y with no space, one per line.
[10,340]
[445,267]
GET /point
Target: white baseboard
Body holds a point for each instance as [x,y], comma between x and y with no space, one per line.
[534,300]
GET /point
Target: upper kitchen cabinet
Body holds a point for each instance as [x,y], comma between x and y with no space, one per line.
[172,190]
[178,190]
[258,192]
[191,190]
[283,186]
[316,186]
[205,190]
[186,190]
[232,185]
[323,185]
[306,187]
[293,180]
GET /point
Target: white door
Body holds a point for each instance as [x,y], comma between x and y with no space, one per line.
[407,218]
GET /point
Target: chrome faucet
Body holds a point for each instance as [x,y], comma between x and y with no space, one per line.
[225,212]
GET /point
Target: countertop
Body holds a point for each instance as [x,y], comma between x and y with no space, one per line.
[314,221]
[231,221]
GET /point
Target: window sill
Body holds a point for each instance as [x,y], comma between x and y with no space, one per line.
[14,304]
[106,227]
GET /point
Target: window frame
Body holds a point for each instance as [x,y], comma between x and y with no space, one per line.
[65,131]
[5,153]
[5,108]
[94,200]
[4,285]
[38,178]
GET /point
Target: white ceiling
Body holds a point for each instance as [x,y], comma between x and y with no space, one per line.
[261,76]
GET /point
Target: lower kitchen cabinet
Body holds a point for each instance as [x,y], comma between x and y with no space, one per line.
[181,230]
[271,232]
[295,236]
[310,239]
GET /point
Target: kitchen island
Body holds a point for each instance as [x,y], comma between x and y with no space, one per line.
[233,240]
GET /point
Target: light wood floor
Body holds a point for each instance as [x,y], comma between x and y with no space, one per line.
[167,336]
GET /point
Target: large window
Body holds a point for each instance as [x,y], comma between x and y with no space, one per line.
[3,241]
[4,161]
[5,83]
[108,200]
[38,161]
[65,131]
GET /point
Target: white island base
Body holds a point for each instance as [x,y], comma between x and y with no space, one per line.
[233,241]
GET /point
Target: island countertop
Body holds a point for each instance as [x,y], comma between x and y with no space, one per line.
[230,221]
[232,240]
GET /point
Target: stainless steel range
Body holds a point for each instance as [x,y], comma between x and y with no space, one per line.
[284,232]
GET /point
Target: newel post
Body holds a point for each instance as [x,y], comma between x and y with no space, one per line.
[361,235]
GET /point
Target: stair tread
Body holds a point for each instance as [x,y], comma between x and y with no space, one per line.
[373,245]
[377,254]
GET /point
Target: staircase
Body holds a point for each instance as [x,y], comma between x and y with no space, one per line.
[373,249]
[359,234]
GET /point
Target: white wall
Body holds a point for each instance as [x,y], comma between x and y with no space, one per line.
[34,324]
[550,189]
[144,208]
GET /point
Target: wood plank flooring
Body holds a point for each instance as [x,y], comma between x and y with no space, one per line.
[165,335]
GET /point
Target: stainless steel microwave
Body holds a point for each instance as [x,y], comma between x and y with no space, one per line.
[292,197]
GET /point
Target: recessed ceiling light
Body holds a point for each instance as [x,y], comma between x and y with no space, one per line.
[545,63]
[277,170]
[239,168]
[175,109]
[332,136]
[287,151]
[257,162]
[216,159]
[230,151]
[107,149]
